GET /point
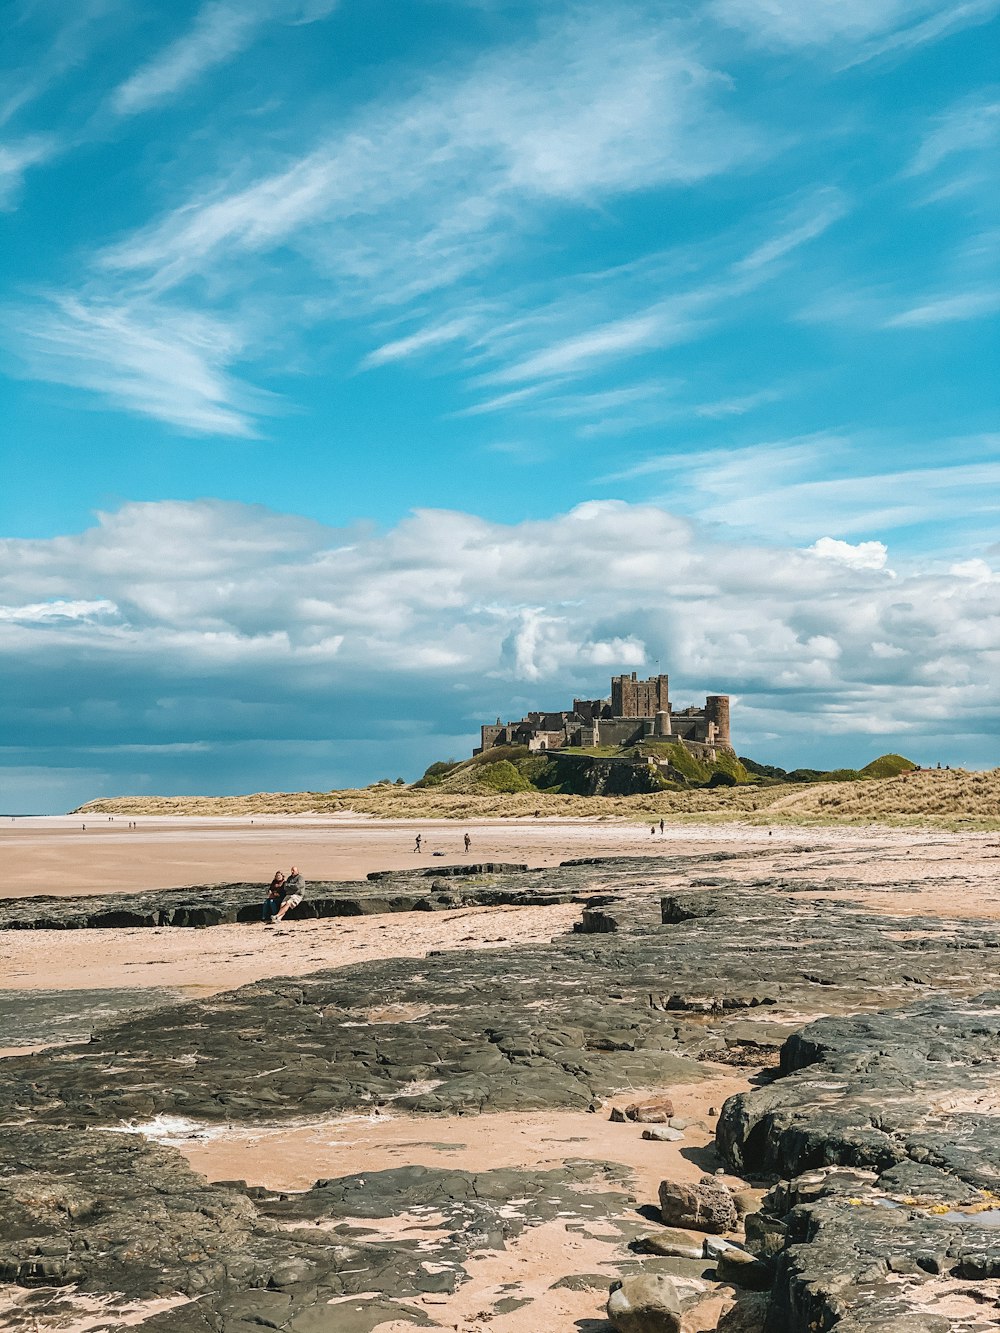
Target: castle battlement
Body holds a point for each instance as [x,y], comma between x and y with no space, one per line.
[634,710]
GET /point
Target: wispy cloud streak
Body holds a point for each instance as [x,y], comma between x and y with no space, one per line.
[152,360]
[221,30]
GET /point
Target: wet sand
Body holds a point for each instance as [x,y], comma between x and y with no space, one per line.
[55,854]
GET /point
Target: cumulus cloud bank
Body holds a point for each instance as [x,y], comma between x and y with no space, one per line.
[291,653]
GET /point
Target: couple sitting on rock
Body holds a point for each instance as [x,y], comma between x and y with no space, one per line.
[282,895]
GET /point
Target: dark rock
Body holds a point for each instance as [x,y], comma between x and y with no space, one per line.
[898,1175]
[582,1282]
[112,1214]
[486,885]
[743,1270]
[32,1017]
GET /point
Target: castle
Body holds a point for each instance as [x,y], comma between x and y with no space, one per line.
[635,710]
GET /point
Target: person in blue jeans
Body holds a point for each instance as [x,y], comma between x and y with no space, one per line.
[275,896]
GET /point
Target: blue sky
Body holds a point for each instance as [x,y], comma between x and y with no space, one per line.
[369,370]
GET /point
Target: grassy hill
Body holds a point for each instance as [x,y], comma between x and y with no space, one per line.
[599,771]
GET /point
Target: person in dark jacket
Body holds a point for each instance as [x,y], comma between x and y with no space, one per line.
[275,893]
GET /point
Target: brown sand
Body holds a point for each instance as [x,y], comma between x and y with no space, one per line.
[54,854]
[291,1157]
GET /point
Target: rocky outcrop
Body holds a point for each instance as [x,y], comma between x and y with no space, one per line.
[563,1024]
[449,887]
[887,1126]
[36,1017]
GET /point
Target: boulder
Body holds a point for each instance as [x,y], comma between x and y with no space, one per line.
[743,1270]
[655,1111]
[646,1303]
[670,1244]
[707,1206]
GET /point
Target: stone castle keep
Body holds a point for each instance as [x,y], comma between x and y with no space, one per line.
[637,709]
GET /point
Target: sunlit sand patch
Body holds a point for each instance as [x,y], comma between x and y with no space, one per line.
[293,1154]
[526,1275]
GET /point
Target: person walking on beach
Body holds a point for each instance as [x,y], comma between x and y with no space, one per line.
[295,888]
[275,893]
[662,825]
[468,842]
[416,844]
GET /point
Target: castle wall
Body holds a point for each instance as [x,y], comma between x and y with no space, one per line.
[689,726]
[620,730]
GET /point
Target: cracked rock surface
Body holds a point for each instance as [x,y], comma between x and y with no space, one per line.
[888,1128]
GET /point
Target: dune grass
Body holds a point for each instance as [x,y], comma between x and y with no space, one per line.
[929,799]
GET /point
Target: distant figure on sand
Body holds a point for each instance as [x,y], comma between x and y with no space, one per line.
[295,888]
[663,825]
[468,842]
[416,843]
[275,893]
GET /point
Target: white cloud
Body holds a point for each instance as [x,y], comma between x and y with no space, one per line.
[406,197]
[794,488]
[586,111]
[16,158]
[877,26]
[862,555]
[221,29]
[976,570]
[414,343]
[149,358]
[272,625]
[970,126]
[950,309]
[683,315]
[59,611]
[739,406]
[808,221]
[618,338]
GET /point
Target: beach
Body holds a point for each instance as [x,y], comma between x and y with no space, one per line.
[910,885]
